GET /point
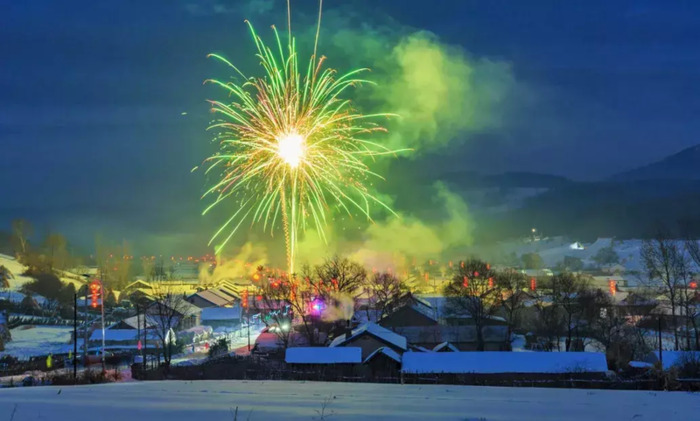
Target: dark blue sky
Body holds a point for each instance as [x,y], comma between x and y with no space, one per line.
[91,96]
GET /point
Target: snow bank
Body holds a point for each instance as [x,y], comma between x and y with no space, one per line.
[323,355]
[504,362]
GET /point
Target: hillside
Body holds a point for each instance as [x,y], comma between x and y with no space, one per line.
[635,209]
[684,165]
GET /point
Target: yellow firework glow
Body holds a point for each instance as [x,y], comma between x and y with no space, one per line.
[291,146]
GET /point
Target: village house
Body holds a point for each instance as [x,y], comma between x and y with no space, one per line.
[424,325]
[460,366]
[210,298]
[370,337]
[221,317]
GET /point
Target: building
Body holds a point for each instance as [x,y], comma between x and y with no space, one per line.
[187,315]
[210,298]
[384,362]
[221,317]
[512,364]
[370,337]
[323,355]
[425,324]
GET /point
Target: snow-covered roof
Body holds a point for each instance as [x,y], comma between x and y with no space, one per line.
[375,330]
[504,362]
[386,351]
[442,346]
[135,322]
[210,296]
[323,355]
[120,335]
[676,358]
[221,314]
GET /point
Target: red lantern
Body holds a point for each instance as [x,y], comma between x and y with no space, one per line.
[94,293]
[490,282]
[466,282]
[244,299]
[693,285]
[476,274]
[533,284]
[613,287]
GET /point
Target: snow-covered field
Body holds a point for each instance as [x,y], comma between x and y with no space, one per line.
[281,400]
[29,341]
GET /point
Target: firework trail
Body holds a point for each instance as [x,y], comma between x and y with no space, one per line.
[291,146]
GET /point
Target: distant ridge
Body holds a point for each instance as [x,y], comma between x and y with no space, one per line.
[683,165]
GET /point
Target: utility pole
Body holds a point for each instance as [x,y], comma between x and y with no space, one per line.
[247,314]
[85,328]
[145,335]
[102,298]
[75,336]
[661,358]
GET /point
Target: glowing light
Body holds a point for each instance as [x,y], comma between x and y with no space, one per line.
[292,148]
[316,307]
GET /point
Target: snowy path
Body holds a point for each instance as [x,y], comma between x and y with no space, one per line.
[268,400]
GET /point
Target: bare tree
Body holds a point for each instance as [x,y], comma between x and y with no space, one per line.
[148,267]
[166,312]
[272,302]
[382,289]
[473,292]
[513,296]
[21,231]
[691,300]
[114,264]
[571,288]
[342,274]
[667,268]
[56,249]
[547,322]
[5,276]
[288,301]
[619,334]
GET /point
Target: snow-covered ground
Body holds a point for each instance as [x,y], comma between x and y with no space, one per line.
[29,341]
[283,400]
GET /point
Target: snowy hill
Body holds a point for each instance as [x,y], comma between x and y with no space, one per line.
[286,400]
[17,269]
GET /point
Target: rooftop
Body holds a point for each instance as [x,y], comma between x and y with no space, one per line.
[375,330]
[504,362]
[323,355]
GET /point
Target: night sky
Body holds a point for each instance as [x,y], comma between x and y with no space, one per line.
[92,96]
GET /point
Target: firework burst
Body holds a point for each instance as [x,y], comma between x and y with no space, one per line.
[292,147]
